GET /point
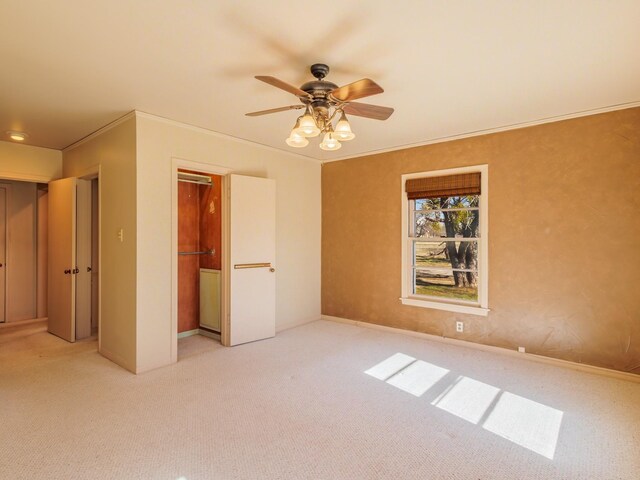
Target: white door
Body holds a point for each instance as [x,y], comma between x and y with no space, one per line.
[69,244]
[3,250]
[62,258]
[83,259]
[252,253]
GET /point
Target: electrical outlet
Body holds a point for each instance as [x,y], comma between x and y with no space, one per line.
[521,349]
[459,326]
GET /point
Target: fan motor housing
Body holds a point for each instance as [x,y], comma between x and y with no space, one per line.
[319,88]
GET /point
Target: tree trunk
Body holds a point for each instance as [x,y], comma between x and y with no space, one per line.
[471,263]
[460,278]
[471,255]
[465,256]
[452,252]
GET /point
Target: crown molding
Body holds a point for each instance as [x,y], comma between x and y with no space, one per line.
[100,131]
[224,136]
[476,133]
[187,126]
[488,131]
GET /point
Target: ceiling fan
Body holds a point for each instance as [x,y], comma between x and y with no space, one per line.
[324,101]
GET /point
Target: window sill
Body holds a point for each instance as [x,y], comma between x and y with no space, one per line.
[451,307]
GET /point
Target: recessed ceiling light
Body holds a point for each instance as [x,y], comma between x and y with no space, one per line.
[17,136]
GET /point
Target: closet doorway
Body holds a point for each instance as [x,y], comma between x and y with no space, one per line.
[23,252]
[200,254]
[246,279]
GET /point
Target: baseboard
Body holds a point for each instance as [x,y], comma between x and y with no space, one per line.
[287,326]
[207,333]
[21,323]
[607,372]
[188,333]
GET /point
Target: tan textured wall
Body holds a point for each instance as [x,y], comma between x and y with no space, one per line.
[564,225]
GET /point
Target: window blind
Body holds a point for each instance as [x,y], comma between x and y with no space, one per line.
[445,186]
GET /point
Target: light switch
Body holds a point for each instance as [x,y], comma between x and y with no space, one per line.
[121,235]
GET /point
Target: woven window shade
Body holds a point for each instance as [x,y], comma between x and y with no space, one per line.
[446,186]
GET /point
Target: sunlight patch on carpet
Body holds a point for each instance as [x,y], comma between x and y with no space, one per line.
[467,398]
[389,367]
[527,423]
[520,420]
[418,377]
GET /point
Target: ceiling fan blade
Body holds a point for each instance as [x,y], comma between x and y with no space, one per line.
[367,110]
[274,110]
[359,89]
[283,85]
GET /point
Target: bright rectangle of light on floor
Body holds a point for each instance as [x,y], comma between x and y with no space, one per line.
[418,377]
[389,367]
[467,398]
[527,423]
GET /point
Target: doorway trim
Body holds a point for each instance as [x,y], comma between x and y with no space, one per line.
[7,202]
[91,173]
[176,164]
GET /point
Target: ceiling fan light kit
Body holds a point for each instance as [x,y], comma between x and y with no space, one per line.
[330,143]
[343,129]
[296,140]
[324,101]
[306,125]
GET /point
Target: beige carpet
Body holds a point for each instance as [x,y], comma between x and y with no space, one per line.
[324,400]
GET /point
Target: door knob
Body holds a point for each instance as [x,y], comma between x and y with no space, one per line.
[67,272]
[272,269]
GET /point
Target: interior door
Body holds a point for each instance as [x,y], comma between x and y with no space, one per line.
[3,251]
[252,253]
[62,258]
[82,277]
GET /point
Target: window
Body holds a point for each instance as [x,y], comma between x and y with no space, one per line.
[445,239]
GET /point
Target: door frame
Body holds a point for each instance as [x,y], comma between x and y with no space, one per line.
[182,164]
[91,173]
[5,177]
[7,201]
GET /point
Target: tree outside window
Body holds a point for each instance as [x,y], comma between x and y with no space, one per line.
[446,232]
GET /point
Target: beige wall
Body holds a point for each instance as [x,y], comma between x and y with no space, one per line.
[24,162]
[20,267]
[564,262]
[114,151]
[298,226]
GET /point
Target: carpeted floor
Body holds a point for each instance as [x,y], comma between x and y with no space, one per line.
[321,401]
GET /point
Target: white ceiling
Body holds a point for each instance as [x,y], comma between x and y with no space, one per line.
[448,68]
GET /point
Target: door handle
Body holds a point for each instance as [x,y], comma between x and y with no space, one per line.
[76,270]
[272,269]
[88,269]
[239,266]
[67,272]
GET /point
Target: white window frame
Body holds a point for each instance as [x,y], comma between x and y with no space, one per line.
[408,297]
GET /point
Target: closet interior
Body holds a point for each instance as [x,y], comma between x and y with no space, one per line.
[199,253]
